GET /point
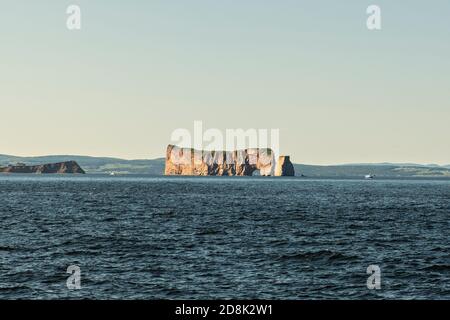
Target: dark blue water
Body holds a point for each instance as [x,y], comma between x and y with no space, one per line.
[191,238]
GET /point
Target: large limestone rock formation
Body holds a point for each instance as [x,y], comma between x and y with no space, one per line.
[284,167]
[187,161]
[61,167]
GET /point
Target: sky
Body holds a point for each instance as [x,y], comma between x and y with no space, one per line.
[138,70]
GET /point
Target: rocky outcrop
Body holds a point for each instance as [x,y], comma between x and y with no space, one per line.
[61,167]
[191,162]
[284,167]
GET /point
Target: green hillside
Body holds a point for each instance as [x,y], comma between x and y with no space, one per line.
[102,165]
[95,164]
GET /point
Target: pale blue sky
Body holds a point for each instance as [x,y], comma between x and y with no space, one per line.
[138,70]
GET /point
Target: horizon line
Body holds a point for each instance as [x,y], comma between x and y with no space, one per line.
[162,157]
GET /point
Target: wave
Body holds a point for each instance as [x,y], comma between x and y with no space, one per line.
[7,248]
[209,232]
[437,267]
[327,255]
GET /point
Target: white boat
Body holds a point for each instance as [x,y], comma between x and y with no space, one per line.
[369,176]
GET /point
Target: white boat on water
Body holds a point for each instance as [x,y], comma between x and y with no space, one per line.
[369,176]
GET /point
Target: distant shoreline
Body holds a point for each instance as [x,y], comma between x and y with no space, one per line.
[105,165]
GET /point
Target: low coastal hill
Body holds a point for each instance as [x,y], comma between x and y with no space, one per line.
[379,170]
[97,165]
[59,167]
[104,165]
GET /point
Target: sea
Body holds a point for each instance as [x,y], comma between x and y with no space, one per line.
[154,237]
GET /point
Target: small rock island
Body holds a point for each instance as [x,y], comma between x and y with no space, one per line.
[191,162]
[284,167]
[61,167]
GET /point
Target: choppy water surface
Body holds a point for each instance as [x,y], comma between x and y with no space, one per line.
[189,238]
